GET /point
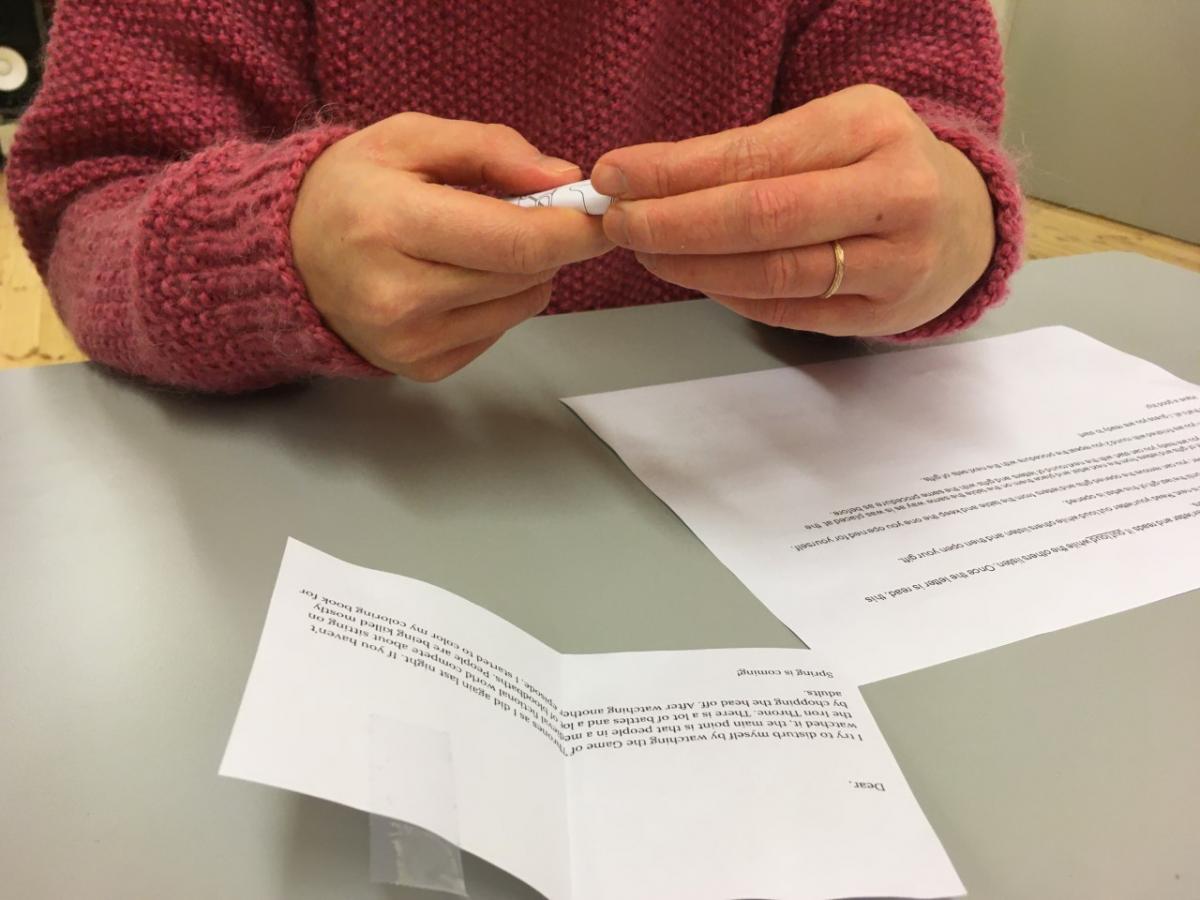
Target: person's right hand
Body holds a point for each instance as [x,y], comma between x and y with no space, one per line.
[420,277]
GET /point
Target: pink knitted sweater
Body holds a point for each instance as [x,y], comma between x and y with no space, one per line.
[154,176]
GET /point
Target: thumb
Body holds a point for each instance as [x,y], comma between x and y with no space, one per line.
[451,151]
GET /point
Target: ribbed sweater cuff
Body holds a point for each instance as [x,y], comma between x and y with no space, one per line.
[227,310]
[1000,176]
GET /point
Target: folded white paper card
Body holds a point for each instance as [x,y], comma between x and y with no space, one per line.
[687,774]
[904,509]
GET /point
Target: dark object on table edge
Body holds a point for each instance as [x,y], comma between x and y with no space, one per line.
[22,40]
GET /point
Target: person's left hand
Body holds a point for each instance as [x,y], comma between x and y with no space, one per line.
[747,216]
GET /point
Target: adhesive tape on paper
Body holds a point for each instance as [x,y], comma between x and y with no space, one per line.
[14,71]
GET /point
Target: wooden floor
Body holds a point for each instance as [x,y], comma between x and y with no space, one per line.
[32,335]
[1059,231]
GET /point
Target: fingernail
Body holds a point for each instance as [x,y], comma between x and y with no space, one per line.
[608,179]
[614,225]
[557,166]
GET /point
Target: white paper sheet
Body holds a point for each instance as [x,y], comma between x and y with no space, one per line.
[900,510]
[702,774]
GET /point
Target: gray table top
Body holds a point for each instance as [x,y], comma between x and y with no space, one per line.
[141,530]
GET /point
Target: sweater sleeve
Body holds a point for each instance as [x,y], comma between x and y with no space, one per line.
[945,60]
[153,180]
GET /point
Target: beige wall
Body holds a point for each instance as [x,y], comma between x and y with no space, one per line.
[1104,104]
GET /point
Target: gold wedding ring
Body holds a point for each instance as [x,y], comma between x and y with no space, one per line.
[839,270]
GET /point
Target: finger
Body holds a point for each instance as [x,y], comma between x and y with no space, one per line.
[830,132]
[444,287]
[399,288]
[747,217]
[445,364]
[843,315]
[792,272]
[461,152]
[476,232]
[467,325]
[485,320]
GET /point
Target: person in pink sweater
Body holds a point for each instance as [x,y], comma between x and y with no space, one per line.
[229,194]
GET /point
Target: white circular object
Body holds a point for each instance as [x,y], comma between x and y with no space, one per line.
[14,71]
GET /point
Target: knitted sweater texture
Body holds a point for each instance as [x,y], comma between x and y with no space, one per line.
[155,174]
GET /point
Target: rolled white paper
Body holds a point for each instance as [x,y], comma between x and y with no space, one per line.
[578,195]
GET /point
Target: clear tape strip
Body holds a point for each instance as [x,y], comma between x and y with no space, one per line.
[412,774]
